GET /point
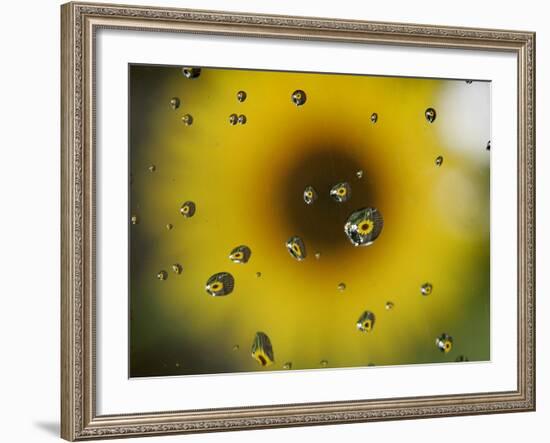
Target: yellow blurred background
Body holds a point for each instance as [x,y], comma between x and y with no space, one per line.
[247,182]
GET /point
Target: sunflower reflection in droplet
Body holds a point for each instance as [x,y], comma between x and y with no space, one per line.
[341,192]
[220,284]
[365,323]
[310,195]
[249,159]
[444,343]
[364,226]
[262,349]
[240,254]
[296,248]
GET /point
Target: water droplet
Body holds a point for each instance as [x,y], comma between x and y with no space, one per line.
[191,72]
[296,248]
[287,365]
[341,287]
[461,358]
[169,226]
[364,226]
[374,117]
[162,275]
[187,119]
[389,305]
[317,255]
[365,323]
[310,195]
[469,82]
[241,119]
[220,284]
[134,219]
[426,289]
[341,192]
[235,347]
[439,160]
[359,174]
[430,114]
[488,145]
[240,254]
[152,168]
[323,363]
[177,268]
[444,342]
[177,365]
[241,96]
[258,274]
[174,103]
[188,209]
[262,350]
[298,97]
[233,119]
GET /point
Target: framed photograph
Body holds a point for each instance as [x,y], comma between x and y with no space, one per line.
[282,221]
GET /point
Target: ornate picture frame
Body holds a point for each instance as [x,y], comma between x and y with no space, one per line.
[80,22]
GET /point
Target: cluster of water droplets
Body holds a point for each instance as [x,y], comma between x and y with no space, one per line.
[362,228]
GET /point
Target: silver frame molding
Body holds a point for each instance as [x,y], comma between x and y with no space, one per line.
[79,22]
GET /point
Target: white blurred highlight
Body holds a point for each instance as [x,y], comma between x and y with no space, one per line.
[464,118]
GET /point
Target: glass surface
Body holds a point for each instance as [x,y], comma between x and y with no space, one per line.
[286,221]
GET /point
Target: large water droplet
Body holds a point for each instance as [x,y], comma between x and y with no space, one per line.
[162,275]
[359,174]
[389,305]
[430,114]
[364,226]
[310,195]
[187,119]
[169,226]
[241,120]
[296,248]
[317,255]
[298,97]
[365,323]
[152,168]
[374,117]
[444,343]
[258,274]
[426,289]
[233,119]
[177,268]
[287,365]
[188,209]
[134,219]
[341,287]
[220,284]
[241,96]
[174,103]
[439,160]
[341,192]
[262,350]
[191,72]
[240,254]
